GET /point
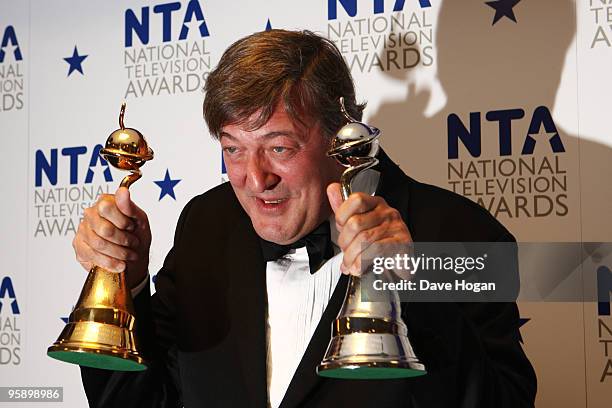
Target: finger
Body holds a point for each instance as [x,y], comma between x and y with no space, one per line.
[127,206]
[77,246]
[108,231]
[358,223]
[334,195]
[357,203]
[106,208]
[365,256]
[382,216]
[389,239]
[97,258]
[354,269]
[362,241]
[87,265]
[108,248]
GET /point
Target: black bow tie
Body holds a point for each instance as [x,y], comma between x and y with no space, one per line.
[318,244]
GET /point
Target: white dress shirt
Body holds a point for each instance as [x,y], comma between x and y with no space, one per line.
[296,302]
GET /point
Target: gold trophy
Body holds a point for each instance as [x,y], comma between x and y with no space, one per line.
[369,339]
[100,329]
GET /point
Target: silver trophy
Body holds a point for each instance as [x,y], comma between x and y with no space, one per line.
[370,340]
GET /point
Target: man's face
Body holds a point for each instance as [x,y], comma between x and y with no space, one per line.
[280,173]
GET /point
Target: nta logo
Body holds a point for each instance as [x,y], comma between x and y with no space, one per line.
[141,26]
[9,36]
[6,288]
[350,6]
[471,138]
[48,165]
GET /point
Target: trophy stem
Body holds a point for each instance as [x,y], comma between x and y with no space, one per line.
[349,174]
[130,178]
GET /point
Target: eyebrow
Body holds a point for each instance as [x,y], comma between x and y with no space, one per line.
[269,135]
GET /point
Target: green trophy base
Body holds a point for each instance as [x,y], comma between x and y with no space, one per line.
[369,371]
[97,345]
[96,359]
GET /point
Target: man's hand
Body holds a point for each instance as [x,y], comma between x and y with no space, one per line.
[115,235]
[363,221]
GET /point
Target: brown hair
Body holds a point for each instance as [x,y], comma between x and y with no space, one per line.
[303,71]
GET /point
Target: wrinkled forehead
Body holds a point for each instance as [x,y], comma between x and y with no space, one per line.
[279,123]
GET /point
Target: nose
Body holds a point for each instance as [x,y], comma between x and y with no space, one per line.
[259,175]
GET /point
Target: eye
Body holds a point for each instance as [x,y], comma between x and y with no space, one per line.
[279,149]
[230,149]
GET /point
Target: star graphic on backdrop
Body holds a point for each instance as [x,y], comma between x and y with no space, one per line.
[100,170]
[7,304]
[503,8]
[75,61]
[193,28]
[167,186]
[4,302]
[553,138]
[10,49]
[543,134]
[268,25]
[522,321]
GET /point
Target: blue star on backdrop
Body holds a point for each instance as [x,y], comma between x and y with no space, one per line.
[268,25]
[503,8]
[167,186]
[75,61]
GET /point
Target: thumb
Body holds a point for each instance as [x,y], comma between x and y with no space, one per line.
[125,204]
[334,195]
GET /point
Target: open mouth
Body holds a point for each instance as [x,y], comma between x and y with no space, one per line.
[271,204]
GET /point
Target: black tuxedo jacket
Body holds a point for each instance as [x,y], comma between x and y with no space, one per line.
[203,331]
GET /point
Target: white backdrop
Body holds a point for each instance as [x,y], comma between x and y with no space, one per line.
[433,73]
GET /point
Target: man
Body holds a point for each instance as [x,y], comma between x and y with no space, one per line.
[216,331]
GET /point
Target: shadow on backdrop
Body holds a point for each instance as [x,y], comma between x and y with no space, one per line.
[482,68]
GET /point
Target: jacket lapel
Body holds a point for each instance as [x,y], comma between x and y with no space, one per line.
[248,305]
[392,179]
